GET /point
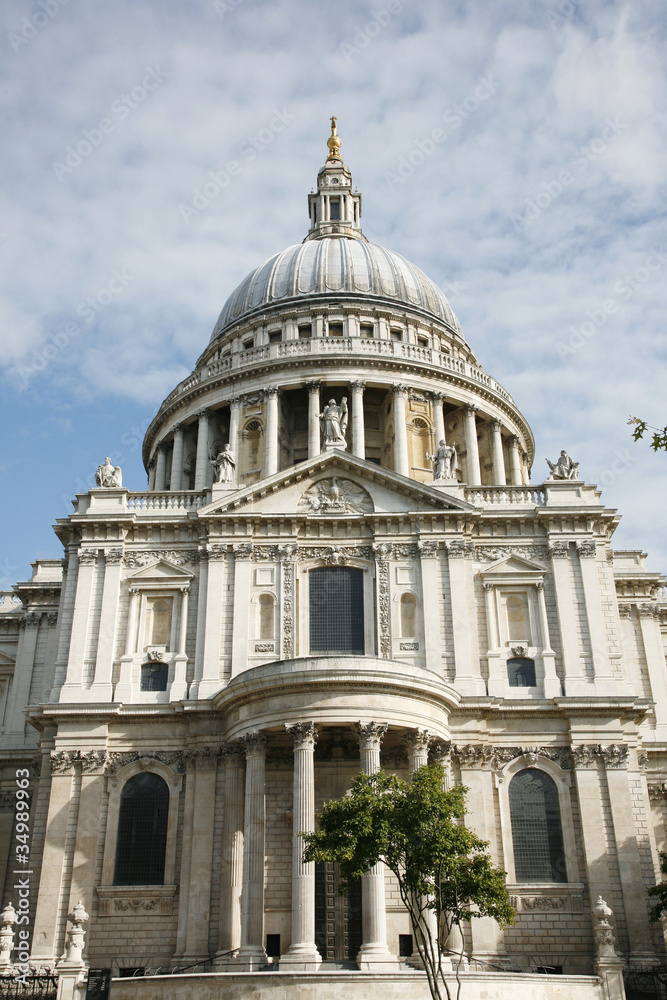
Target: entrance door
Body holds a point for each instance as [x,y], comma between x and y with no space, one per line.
[337,918]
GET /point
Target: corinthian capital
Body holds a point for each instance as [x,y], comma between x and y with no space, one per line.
[304,735]
[370,734]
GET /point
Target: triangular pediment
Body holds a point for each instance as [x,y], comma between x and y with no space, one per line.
[335,484]
[160,570]
[514,567]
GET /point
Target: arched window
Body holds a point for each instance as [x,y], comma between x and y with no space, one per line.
[521,672]
[537,834]
[142,831]
[154,676]
[266,616]
[408,615]
[336,610]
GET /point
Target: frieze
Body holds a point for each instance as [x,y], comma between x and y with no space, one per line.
[383,607]
[29,620]
[202,758]
[559,550]
[484,553]
[402,550]
[586,549]
[495,758]
[458,549]
[265,552]
[216,553]
[243,550]
[408,646]
[588,755]
[109,762]
[335,555]
[113,900]
[265,647]
[288,602]
[648,611]
[144,557]
[543,902]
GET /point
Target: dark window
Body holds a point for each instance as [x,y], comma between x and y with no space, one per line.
[273,945]
[335,329]
[154,676]
[536,829]
[521,672]
[334,206]
[336,610]
[405,945]
[422,341]
[305,332]
[248,345]
[275,337]
[549,970]
[131,972]
[142,831]
[396,335]
[366,331]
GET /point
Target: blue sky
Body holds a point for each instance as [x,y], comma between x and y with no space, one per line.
[515,151]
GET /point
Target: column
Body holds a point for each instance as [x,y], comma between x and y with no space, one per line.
[499,476]
[497,683]
[605,684]
[515,462]
[468,678]
[179,685]
[428,561]
[271,459]
[241,611]
[106,643]
[373,954]
[151,474]
[358,431]
[417,744]
[303,954]
[20,689]
[234,421]
[232,855]
[210,682]
[123,690]
[596,852]
[552,684]
[481,819]
[635,903]
[72,689]
[176,482]
[202,460]
[401,462]
[252,954]
[439,417]
[313,419]
[161,466]
[472,450]
[200,628]
[574,681]
[200,848]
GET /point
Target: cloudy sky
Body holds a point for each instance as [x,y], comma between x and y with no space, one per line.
[513,149]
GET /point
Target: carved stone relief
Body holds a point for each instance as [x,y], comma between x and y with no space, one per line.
[335,496]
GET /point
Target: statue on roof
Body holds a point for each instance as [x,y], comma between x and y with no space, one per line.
[107,476]
[563,468]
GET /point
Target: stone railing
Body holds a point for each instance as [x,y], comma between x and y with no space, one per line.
[165,501]
[345,346]
[484,496]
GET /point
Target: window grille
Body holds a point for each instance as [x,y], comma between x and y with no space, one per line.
[336,610]
[521,672]
[142,831]
[154,676]
[537,834]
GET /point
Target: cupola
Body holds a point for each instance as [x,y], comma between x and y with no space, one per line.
[335,209]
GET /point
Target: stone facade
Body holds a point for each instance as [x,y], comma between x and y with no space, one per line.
[181,637]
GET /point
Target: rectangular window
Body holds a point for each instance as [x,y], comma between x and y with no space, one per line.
[335,329]
[305,332]
[248,345]
[337,610]
[366,331]
[334,209]
[275,337]
[273,945]
[397,336]
[405,945]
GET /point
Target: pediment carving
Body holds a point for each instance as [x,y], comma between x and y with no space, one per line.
[335,496]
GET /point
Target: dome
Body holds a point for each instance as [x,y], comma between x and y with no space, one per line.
[335,265]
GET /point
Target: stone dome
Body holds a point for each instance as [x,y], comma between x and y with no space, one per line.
[335,265]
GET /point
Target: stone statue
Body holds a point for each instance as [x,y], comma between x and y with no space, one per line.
[108,476]
[564,468]
[225,465]
[333,421]
[444,461]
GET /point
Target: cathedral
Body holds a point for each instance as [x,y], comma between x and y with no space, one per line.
[340,563]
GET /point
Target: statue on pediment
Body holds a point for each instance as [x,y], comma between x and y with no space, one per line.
[444,461]
[333,422]
[224,465]
[564,468]
[107,476]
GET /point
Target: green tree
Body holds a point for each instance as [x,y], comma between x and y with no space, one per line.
[416,828]
[659,891]
[659,439]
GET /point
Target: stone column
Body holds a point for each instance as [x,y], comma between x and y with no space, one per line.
[176,482]
[241,611]
[72,689]
[499,476]
[106,643]
[552,684]
[574,681]
[20,690]
[515,462]
[232,855]
[401,461]
[200,627]
[252,954]
[123,690]
[202,774]
[179,685]
[303,954]
[358,431]
[234,422]
[428,562]
[151,474]
[374,954]
[605,684]
[417,743]
[472,449]
[210,681]
[439,417]
[497,683]
[313,419]
[202,460]
[161,466]
[271,458]
[468,677]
